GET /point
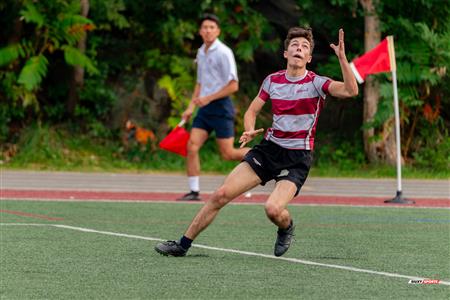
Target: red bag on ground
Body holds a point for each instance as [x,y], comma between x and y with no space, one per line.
[176,141]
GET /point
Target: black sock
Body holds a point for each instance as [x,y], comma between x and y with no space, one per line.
[289,227]
[290,224]
[185,242]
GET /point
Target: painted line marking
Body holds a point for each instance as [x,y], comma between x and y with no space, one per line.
[294,260]
[30,215]
[23,224]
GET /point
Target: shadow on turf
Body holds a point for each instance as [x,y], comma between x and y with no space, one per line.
[189,255]
[197,255]
[330,257]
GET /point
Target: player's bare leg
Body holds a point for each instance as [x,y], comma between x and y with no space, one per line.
[276,211]
[240,180]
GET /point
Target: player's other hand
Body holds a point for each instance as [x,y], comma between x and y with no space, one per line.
[201,101]
[247,136]
[187,114]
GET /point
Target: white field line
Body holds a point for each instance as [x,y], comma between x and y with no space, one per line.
[294,260]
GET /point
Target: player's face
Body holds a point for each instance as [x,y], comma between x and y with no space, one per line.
[209,31]
[299,52]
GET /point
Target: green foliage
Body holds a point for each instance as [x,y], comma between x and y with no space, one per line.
[175,32]
[75,57]
[32,15]
[331,68]
[435,157]
[423,56]
[114,9]
[178,80]
[432,147]
[56,27]
[96,102]
[131,39]
[251,38]
[345,155]
[8,54]
[422,43]
[48,148]
[39,144]
[65,148]
[5,118]
[32,73]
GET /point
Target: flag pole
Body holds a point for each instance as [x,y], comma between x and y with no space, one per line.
[398,197]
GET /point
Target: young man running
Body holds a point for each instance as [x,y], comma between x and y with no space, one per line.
[297,97]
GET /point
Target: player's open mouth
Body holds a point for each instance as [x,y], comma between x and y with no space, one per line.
[298,56]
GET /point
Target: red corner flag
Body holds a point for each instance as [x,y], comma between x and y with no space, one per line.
[379,59]
[176,141]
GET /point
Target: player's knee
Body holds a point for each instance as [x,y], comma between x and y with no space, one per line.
[219,198]
[272,211]
[227,155]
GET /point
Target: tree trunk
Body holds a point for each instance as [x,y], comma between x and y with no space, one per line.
[388,142]
[371,96]
[372,37]
[383,150]
[77,79]
[17,32]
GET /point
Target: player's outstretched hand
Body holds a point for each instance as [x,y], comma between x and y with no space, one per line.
[339,49]
[247,136]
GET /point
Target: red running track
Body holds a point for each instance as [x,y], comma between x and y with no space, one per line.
[66,195]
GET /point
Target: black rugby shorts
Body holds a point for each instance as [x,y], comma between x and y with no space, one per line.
[271,161]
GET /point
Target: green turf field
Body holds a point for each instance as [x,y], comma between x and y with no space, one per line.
[118,261]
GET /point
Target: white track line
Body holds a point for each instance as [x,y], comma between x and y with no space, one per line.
[295,260]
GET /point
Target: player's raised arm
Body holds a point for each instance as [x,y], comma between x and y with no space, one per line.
[348,88]
[250,120]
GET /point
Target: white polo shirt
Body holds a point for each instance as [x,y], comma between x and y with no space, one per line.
[216,68]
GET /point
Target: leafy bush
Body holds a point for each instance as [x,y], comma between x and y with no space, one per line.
[55,28]
[340,152]
[437,158]
[431,148]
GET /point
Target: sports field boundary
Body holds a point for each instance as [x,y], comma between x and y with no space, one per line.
[112,196]
[234,251]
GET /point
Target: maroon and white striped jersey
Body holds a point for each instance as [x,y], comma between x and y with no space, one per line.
[296,105]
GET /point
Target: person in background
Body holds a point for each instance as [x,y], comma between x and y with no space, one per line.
[216,80]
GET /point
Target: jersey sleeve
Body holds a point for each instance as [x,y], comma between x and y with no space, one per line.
[322,84]
[264,91]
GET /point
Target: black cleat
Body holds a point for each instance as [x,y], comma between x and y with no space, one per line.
[284,240]
[191,196]
[172,248]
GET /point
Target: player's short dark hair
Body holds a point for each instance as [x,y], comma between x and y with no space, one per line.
[210,17]
[296,32]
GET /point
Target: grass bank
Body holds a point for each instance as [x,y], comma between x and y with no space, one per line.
[58,149]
